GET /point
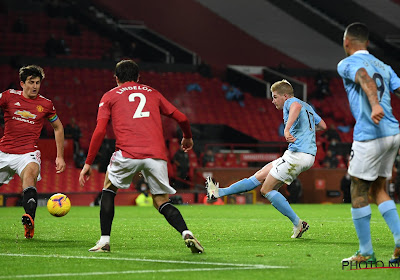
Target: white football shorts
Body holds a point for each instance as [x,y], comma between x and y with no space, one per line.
[373,158]
[290,165]
[15,163]
[121,171]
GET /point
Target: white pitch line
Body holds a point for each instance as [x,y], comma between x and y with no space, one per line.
[144,260]
[127,272]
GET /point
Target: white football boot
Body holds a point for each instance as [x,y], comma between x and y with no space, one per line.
[192,243]
[212,189]
[300,229]
[100,247]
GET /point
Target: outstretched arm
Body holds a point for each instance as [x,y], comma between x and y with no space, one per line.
[59,137]
[370,89]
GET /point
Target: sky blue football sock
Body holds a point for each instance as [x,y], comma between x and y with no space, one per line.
[244,185]
[389,213]
[282,205]
[361,219]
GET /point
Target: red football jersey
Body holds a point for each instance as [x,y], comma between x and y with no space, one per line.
[23,118]
[136,111]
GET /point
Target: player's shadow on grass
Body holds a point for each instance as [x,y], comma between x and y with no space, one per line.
[279,241]
[45,243]
[304,240]
[314,241]
[353,243]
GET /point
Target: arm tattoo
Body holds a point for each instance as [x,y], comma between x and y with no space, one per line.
[368,85]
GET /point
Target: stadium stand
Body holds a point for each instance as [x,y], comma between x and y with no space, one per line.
[75,87]
[216,40]
[89,45]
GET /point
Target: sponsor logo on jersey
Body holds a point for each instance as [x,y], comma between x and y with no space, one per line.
[39,108]
[22,120]
[25,114]
[17,104]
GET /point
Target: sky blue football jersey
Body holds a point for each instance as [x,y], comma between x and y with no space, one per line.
[386,81]
[303,129]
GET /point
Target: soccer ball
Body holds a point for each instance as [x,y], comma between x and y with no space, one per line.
[58,205]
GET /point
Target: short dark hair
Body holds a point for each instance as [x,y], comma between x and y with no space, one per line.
[127,71]
[31,70]
[358,31]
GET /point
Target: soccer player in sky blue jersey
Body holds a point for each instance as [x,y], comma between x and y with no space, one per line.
[301,122]
[368,82]
[303,129]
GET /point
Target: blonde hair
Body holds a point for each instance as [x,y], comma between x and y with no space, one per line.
[282,87]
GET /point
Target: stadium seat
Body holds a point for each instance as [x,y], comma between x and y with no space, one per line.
[219,159]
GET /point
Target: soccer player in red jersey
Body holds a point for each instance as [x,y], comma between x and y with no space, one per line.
[24,115]
[135,110]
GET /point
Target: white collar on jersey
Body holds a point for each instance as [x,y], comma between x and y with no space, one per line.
[362,52]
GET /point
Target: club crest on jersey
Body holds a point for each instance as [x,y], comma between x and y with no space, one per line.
[39,108]
[25,114]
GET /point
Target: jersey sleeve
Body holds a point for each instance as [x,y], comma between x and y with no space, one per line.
[317,118]
[104,111]
[347,68]
[166,108]
[96,141]
[183,123]
[394,80]
[52,114]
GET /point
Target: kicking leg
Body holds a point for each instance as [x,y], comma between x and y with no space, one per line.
[245,185]
[241,186]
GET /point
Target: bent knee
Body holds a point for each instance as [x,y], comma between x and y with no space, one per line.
[265,191]
[160,199]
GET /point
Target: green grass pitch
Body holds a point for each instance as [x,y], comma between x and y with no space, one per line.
[241,242]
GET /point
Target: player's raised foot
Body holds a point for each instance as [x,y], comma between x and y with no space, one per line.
[192,243]
[396,256]
[212,189]
[301,228]
[357,257]
[29,225]
[100,247]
